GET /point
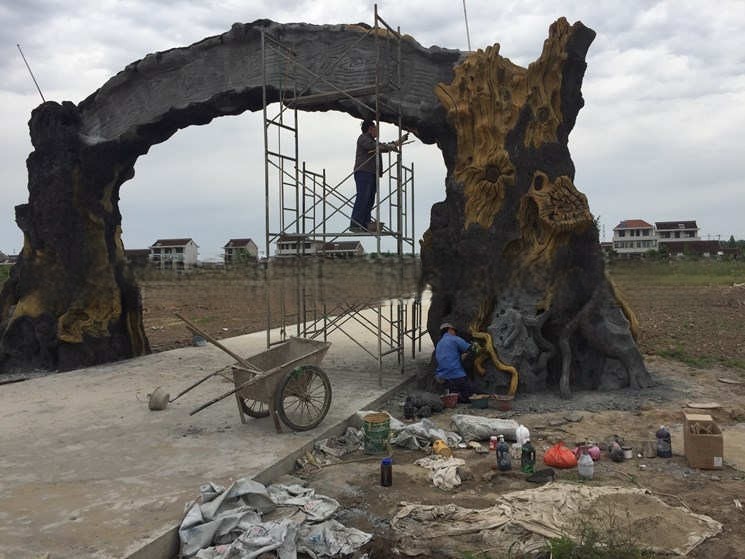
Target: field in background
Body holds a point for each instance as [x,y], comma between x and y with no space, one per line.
[226,303]
[689,310]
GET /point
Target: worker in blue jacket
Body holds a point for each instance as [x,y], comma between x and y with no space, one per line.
[448,353]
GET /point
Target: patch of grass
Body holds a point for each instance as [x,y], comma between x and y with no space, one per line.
[701,361]
[686,272]
[599,534]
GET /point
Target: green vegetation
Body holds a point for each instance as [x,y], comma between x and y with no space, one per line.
[4,273]
[701,362]
[679,272]
[601,533]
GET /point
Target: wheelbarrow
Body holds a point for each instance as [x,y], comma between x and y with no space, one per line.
[284,381]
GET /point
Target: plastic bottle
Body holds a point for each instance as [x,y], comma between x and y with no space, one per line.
[493,442]
[522,434]
[664,443]
[504,462]
[386,472]
[527,458]
[585,465]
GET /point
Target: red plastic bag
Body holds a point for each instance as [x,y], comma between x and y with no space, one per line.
[559,456]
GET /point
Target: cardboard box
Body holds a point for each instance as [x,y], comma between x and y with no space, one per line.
[703,442]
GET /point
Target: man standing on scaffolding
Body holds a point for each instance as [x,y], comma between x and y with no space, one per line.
[364,177]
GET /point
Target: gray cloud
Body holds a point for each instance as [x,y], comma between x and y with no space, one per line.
[659,137]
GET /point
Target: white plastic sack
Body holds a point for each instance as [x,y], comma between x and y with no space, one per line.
[444,470]
[477,428]
[262,537]
[422,434]
[330,539]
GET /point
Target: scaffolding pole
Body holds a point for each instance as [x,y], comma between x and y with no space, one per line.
[303,211]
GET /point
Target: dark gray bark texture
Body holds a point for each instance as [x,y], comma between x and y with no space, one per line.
[503,254]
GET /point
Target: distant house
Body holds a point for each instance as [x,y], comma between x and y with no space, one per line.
[634,237]
[3,257]
[676,231]
[240,250]
[174,254]
[692,247]
[343,249]
[137,256]
[298,245]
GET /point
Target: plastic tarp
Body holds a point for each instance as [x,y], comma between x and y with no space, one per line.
[551,511]
[422,434]
[351,441]
[478,428]
[229,523]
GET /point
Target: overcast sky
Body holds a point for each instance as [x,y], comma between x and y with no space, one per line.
[661,136]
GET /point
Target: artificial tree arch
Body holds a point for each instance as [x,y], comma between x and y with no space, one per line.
[512,251]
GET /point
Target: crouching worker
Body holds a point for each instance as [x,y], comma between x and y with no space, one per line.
[448,352]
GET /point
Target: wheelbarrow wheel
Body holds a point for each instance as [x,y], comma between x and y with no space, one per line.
[254,408]
[303,397]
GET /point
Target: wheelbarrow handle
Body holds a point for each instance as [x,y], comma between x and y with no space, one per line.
[222,396]
[194,328]
[200,381]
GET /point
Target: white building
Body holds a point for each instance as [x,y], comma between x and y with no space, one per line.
[634,236]
[174,254]
[240,250]
[344,249]
[298,245]
[677,231]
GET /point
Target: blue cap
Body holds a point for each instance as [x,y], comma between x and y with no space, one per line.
[387,461]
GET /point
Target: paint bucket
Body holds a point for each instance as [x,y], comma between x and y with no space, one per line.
[377,429]
[449,400]
[504,402]
[628,452]
[480,401]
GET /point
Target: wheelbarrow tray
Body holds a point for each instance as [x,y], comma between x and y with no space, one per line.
[274,365]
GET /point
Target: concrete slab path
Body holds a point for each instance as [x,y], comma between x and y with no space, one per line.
[89,471]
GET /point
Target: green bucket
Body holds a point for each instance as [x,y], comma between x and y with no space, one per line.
[377,430]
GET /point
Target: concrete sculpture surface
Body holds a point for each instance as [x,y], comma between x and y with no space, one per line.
[512,250]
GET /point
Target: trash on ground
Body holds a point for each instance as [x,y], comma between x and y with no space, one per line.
[478,428]
[551,511]
[704,405]
[444,470]
[559,456]
[441,448]
[422,434]
[351,441]
[231,522]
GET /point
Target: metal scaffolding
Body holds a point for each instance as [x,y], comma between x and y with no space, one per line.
[306,217]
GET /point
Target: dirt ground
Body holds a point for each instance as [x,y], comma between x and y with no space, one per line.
[234,302]
[633,416]
[691,334]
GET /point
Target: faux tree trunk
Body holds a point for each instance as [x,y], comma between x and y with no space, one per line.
[512,251]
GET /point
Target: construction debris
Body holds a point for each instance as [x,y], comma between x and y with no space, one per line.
[248,519]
